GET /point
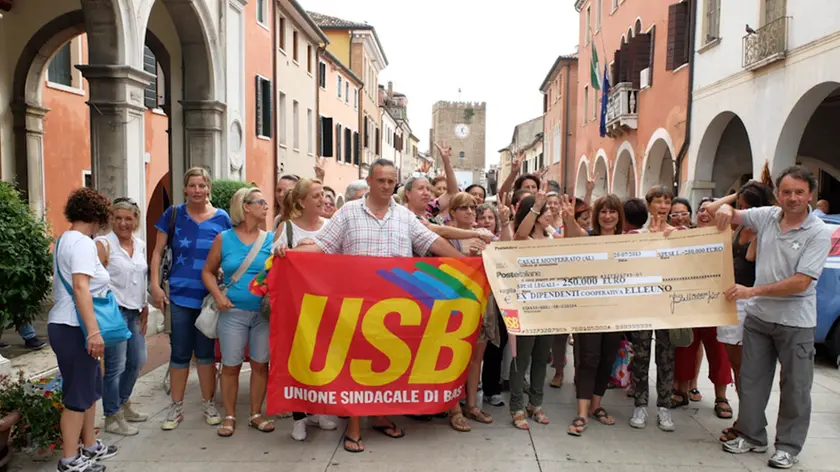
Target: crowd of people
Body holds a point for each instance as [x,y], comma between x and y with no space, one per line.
[779,249]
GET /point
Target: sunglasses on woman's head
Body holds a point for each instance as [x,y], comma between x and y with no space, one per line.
[128,200]
[259,202]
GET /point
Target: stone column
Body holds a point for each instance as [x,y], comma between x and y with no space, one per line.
[203,139]
[29,149]
[117,130]
[696,190]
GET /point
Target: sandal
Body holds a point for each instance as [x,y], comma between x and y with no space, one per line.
[722,409]
[603,417]
[357,442]
[679,399]
[557,380]
[538,414]
[577,427]
[476,414]
[519,421]
[695,395]
[264,426]
[729,434]
[395,433]
[226,431]
[459,423]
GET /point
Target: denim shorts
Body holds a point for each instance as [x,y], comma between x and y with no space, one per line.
[185,339]
[238,330]
[81,374]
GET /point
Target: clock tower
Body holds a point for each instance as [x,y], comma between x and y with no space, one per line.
[461,125]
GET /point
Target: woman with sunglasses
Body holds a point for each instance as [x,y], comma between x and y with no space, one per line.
[124,255]
[241,325]
[329,203]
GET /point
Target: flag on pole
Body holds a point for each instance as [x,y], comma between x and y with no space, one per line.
[604,97]
[594,69]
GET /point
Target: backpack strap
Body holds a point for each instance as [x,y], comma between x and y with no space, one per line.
[290,234]
[172,218]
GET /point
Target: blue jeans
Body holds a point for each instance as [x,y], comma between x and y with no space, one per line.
[238,329]
[122,365]
[26,332]
[185,339]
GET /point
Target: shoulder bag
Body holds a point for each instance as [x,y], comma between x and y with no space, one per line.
[265,304]
[209,316]
[166,270]
[112,325]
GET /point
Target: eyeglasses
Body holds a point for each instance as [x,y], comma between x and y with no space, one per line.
[128,200]
[681,214]
[466,207]
[259,202]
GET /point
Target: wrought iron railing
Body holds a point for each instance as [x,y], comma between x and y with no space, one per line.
[766,44]
[622,103]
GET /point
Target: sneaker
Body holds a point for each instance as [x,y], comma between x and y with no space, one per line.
[116,424]
[740,445]
[782,460]
[173,417]
[495,400]
[664,421]
[639,418]
[132,415]
[211,414]
[80,464]
[35,343]
[299,430]
[322,421]
[99,451]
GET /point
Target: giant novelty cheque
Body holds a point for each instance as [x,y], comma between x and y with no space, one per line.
[359,336]
[613,283]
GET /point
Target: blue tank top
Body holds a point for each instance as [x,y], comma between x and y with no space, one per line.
[233,254]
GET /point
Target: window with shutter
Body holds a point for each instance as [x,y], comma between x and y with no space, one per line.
[338,136]
[652,34]
[258,107]
[323,75]
[641,57]
[678,31]
[60,68]
[378,141]
[348,145]
[626,63]
[366,130]
[150,66]
[326,137]
[356,149]
[615,68]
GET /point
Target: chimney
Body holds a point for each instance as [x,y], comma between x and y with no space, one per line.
[390,89]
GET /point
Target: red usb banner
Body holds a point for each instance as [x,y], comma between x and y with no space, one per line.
[362,336]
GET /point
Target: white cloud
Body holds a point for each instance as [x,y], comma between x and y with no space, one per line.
[494,52]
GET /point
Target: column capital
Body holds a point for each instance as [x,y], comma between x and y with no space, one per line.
[203,114]
[115,88]
[28,117]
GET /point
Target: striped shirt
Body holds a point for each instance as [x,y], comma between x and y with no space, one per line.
[191,243]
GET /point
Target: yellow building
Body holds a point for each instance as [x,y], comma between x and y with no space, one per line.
[357,46]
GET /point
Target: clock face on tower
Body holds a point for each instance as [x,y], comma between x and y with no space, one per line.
[462,131]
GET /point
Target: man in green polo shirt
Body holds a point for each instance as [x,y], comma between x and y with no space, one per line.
[793,244]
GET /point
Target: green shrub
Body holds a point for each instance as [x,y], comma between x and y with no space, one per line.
[222,191]
[26,263]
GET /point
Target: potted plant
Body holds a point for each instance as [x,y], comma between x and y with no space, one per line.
[32,415]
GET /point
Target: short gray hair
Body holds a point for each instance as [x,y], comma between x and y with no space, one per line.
[238,202]
[355,186]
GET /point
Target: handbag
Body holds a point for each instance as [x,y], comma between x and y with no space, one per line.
[112,325]
[166,270]
[620,376]
[681,337]
[208,319]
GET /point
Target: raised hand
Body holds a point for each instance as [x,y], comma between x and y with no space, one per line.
[567,208]
[723,217]
[540,197]
[590,184]
[319,169]
[504,214]
[444,150]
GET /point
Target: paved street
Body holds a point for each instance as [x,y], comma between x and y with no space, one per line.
[194,446]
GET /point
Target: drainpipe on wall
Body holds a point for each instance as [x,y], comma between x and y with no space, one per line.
[688,110]
[318,141]
[566,102]
[276,151]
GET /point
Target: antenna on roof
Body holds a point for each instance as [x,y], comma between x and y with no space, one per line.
[459,95]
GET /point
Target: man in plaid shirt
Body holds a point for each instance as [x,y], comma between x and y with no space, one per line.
[375,226]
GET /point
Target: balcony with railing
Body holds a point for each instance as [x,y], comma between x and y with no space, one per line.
[622,109]
[767,44]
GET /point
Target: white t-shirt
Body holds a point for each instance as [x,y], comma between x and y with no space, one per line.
[298,233]
[128,273]
[76,254]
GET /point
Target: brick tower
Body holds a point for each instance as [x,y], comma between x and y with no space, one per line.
[461,125]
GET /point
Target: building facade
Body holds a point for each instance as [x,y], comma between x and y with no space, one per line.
[505,161]
[461,125]
[298,40]
[390,137]
[644,47]
[357,45]
[340,91]
[766,96]
[559,91]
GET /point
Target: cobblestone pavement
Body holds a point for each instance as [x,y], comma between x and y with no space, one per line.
[194,446]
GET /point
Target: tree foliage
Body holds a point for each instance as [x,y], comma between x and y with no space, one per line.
[223,190]
[26,263]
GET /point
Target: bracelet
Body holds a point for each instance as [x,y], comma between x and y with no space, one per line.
[92,335]
[536,212]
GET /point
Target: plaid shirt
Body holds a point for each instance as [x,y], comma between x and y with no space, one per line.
[354,230]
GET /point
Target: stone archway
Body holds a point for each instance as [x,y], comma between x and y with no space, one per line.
[601,174]
[624,173]
[724,157]
[582,177]
[658,165]
[800,116]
